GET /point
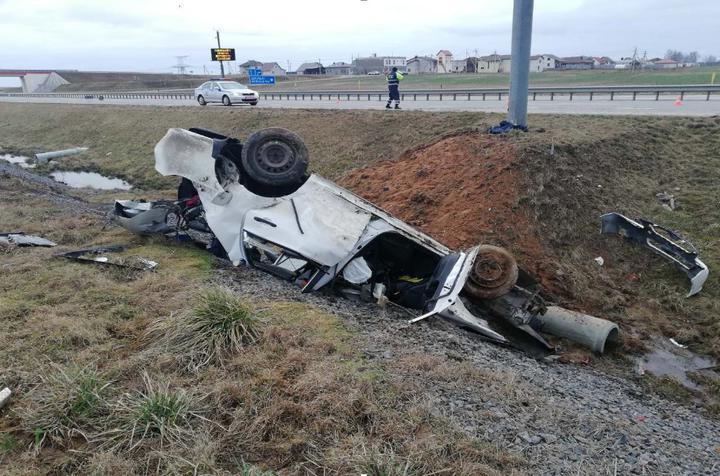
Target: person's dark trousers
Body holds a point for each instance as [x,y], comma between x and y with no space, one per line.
[394,93]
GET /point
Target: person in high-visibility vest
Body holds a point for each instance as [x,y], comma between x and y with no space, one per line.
[393,80]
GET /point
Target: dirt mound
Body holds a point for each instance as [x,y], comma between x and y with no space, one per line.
[462,190]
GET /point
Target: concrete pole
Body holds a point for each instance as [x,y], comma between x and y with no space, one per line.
[520,62]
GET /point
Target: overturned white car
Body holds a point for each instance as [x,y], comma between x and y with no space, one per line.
[255,204]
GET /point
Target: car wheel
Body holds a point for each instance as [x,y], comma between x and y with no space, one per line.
[493,273]
[226,101]
[275,157]
[201,100]
[254,103]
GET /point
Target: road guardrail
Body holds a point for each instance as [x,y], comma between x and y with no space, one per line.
[535,93]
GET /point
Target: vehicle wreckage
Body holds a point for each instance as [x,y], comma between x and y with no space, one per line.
[255,204]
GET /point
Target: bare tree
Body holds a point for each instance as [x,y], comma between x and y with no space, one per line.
[691,57]
[675,55]
[710,59]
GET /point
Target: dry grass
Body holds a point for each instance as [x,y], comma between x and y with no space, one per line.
[65,404]
[220,325]
[156,410]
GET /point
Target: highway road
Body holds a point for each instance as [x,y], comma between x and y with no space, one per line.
[691,106]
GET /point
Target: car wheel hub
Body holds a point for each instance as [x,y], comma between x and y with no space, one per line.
[275,157]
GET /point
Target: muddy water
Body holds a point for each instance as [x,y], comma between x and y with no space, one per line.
[90,180]
[18,160]
[668,360]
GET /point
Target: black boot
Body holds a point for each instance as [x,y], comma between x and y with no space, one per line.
[397,106]
[387,106]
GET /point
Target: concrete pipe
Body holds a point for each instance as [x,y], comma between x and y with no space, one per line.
[43,157]
[586,330]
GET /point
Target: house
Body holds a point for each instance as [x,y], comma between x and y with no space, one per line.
[273,69]
[539,63]
[421,64]
[666,64]
[339,69]
[576,62]
[444,61]
[390,62]
[243,68]
[494,63]
[311,69]
[368,64]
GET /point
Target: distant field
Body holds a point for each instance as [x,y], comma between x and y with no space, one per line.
[547,78]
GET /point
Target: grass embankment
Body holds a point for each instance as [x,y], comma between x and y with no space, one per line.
[162,372]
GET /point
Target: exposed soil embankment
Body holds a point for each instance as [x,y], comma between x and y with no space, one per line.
[463,190]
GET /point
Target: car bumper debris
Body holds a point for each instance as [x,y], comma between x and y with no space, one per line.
[661,241]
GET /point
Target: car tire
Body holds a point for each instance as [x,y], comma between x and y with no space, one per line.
[201,100]
[226,101]
[275,157]
[493,273]
[254,103]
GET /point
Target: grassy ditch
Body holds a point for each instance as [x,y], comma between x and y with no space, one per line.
[164,373]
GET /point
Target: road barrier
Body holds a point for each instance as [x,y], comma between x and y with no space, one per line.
[551,93]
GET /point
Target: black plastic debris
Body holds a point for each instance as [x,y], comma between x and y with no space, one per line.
[505,126]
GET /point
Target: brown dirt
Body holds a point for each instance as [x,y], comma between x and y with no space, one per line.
[463,189]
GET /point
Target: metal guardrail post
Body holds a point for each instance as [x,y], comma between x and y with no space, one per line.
[657,95]
[499,96]
[612,95]
[707,98]
[682,95]
[552,96]
[534,95]
[571,96]
[427,97]
[483,96]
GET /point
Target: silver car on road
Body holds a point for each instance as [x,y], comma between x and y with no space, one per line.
[225,92]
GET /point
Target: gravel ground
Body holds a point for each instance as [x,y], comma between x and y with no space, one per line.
[565,419]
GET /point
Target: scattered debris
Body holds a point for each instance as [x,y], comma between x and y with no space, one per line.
[257,205]
[19,238]
[43,157]
[677,343]
[663,242]
[668,200]
[599,260]
[98,256]
[5,394]
[506,126]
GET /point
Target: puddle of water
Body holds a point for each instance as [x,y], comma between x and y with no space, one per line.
[668,360]
[90,180]
[18,160]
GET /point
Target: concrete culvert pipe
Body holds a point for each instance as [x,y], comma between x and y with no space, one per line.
[586,330]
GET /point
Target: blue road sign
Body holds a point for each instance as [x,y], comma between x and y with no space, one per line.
[262,79]
[254,71]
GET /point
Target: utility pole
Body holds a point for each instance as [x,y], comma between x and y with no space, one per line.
[520,62]
[222,68]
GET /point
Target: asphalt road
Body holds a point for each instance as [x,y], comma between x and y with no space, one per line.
[691,106]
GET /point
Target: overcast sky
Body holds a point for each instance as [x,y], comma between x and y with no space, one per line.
[146,35]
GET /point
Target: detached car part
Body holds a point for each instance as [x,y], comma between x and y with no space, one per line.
[21,239]
[260,207]
[99,254]
[661,241]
